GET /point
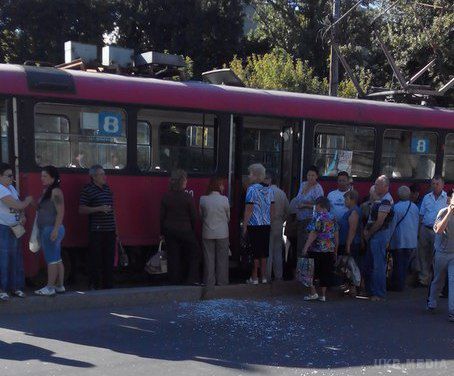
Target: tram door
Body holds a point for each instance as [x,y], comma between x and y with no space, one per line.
[271,142]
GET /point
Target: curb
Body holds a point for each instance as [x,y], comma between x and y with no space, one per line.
[124,297]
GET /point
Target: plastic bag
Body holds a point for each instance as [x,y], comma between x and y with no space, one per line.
[305,271]
[34,244]
[346,267]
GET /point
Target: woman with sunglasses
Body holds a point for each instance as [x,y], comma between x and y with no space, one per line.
[11,263]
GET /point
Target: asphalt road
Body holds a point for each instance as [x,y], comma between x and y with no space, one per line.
[234,337]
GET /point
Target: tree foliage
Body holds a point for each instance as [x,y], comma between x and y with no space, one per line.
[37,29]
[278,70]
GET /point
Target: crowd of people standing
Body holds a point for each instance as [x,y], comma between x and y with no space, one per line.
[417,235]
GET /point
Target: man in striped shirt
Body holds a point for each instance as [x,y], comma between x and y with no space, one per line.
[96,200]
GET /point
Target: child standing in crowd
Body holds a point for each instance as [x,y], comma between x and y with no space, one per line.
[322,245]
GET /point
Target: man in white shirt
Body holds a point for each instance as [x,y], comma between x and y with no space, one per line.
[336,198]
[431,205]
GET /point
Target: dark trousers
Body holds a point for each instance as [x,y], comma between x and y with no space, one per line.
[102,254]
[183,257]
[401,262]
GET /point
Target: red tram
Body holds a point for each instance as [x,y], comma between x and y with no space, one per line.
[139,129]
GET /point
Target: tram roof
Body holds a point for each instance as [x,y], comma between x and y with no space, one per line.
[195,95]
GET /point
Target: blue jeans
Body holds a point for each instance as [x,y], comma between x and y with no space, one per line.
[11,261]
[375,268]
[401,262]
[51,249]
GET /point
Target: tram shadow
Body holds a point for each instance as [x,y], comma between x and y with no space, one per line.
[249,335]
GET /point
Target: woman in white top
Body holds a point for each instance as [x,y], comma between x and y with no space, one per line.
[215,212]
[11,263]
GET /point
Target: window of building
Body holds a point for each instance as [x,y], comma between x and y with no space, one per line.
[409,154]
[80,136]
[144,152]
[344,148]
[448,163]
[4,152]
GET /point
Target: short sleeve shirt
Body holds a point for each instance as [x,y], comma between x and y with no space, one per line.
[325,226]
[93,196]
[445,242]
[261,197]
[8,216]
[383,206]
[337,201]
[312,195]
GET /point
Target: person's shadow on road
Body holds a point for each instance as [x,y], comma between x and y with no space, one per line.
[21,352]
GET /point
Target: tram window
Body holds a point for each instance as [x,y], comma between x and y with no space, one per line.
[4,133]
[144,146]
[80,136]
[186,146]
[448,163]
[52,145]
[344,148]
[101,139]
[262,146]
[409,154]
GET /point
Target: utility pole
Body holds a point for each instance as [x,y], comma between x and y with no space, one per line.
[334,61]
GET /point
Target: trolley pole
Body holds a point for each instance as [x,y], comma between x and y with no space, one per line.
[334,60]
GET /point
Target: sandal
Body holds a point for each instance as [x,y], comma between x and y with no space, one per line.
[19,294]
[4,296]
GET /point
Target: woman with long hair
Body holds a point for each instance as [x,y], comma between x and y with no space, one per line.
[178,216]
[215,212]
[50,213]
[11,214]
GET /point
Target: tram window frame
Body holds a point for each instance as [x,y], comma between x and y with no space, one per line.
[450,156]
[148,145]
[409,131]
[74,112]
[340,129]
[4,131]
[65,141]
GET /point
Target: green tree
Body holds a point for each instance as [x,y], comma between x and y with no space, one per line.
[209,31]
[37,29]
[278,70]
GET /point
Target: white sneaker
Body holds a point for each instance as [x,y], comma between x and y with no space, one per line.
[311,297]
[252,281]
[60,289]
[322,298]
[264,280]
[46,291]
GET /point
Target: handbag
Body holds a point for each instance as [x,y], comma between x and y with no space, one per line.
[157,263]
[18,230]
[34,244]
[305,271]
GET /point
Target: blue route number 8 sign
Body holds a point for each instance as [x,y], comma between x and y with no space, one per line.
[419,145]
[110,124]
